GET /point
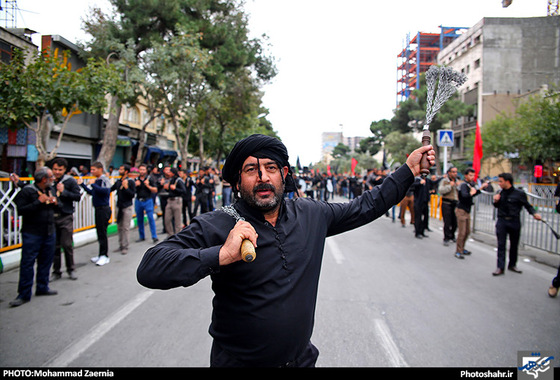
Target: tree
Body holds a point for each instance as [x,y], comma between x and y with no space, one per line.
[530,134]
[47,91]
[177,68]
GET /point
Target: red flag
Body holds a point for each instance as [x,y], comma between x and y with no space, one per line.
[329,170]
[354,163]
[477,155]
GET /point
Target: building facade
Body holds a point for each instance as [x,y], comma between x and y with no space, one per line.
[504,59]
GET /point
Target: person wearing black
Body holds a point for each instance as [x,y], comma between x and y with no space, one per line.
[187,197]
[203,185]
[175,188]
[67,192]
[263,311]
[421,190]
[146,188]
[36,203]
[509,202]
[126,190]
[466,192]
[100,192]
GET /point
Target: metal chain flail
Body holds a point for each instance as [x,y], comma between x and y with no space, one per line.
[443,81]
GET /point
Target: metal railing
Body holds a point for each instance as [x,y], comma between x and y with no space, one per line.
[10,220]
[534,233]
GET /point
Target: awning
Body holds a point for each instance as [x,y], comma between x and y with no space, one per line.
[125,141]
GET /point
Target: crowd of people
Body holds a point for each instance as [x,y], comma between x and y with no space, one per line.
[47,208]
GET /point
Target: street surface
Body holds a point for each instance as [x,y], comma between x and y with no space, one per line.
[386,299]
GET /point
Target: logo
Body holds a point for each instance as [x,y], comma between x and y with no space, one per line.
[533,365]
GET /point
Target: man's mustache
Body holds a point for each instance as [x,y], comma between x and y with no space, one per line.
[264,187]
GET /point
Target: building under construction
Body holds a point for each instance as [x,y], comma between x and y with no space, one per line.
[418,55]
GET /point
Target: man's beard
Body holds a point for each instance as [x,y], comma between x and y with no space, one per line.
[268,204]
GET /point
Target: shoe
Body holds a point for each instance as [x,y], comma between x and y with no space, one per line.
[117,250]
[424,235]
[72,276]
[514,269]
[498,272]
[139,240]
[102,261]
[155,240]
[18,302]
[459,256]
[466,253]
[552,291]
[47,293]
[55,276]
[124,251]
[418,236]
[446,243]
[94,259]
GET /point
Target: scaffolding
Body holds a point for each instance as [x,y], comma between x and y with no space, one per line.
[418,55]
[8,13]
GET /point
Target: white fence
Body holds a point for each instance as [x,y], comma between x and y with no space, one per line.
[10,220]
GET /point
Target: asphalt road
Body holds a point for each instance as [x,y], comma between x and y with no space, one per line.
[385,299]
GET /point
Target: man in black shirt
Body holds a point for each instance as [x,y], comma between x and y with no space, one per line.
[466,192]
[263,310]
[67,192]
[126,190]
[146,188]
[509,202]
[36,204]
[174,208]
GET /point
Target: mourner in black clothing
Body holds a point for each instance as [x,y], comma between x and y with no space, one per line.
[175,188]
[466,192]
[36,204]
[67,192]
[509,202]
[263,311]
[126,191]
[421,189]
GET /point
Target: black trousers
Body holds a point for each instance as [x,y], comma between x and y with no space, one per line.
[102,216]
[449,220]
[503,229]
[421,215]
[220,358]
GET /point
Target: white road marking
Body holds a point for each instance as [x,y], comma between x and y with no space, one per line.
[393,353]
[74,350]
[335,251]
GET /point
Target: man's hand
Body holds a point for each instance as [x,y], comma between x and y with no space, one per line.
[231,250]
[414,158]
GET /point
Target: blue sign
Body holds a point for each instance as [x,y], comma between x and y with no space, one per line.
[445,137]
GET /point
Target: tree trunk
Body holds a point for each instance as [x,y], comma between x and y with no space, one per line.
[111,133]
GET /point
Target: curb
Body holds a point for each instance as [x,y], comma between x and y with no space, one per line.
[11,259]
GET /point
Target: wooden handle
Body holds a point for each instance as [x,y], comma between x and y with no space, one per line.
[424,163]
[248,253]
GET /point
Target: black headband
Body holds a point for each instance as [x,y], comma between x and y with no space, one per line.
[259,146]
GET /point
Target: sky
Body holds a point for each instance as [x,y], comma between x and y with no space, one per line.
[336,61]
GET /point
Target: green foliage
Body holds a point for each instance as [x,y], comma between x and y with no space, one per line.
[532,133]
[47,85]
[196,60]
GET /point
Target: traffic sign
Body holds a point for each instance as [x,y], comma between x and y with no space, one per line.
[445,137]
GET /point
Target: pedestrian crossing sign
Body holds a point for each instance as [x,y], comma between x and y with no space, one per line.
[445,137]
